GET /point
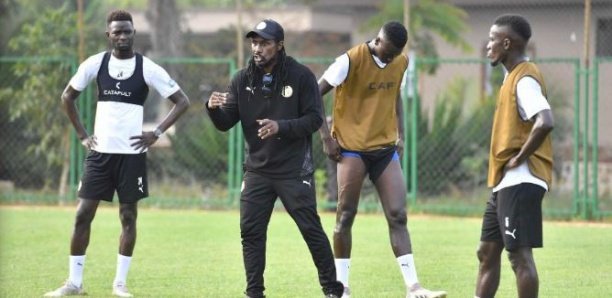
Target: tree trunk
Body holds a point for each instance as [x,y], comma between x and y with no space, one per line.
[164,17]
[63,186]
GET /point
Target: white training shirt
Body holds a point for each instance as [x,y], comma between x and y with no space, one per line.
[115,121]
[337,72]
[530,102]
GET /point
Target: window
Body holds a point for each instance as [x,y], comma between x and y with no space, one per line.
[603,45]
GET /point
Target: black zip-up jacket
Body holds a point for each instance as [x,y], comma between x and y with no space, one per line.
[295,106]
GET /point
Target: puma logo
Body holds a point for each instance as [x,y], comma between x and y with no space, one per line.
[511,233]
[140,185]
[306,182]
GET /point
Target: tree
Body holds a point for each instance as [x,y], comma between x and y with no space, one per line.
[31,98]
[7,21]
[166,38]
[426,17]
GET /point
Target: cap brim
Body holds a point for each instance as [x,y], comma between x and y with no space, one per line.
[260,33]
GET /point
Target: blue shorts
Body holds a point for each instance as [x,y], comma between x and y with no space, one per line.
[375,161]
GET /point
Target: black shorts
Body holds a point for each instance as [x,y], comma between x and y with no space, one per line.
[514,217]
[375,161]
[106,173]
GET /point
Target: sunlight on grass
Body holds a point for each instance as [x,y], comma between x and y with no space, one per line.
[188,253]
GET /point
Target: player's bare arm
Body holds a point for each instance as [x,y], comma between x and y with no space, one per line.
[399,111]
[330,146]
[69,97]
[148,138]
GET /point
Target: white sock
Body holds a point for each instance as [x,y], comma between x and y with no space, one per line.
[123,265]
[406,264]
[76,265]
[343,267]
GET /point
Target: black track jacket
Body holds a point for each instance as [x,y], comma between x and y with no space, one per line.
[295,106]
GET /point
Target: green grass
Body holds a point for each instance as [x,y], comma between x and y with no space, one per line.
[189,253]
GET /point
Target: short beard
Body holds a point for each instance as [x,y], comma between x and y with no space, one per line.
[123,48]
[264,64]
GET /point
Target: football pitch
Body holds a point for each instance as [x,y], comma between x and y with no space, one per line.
[191,253]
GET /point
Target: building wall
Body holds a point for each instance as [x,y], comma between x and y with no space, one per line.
[557,32]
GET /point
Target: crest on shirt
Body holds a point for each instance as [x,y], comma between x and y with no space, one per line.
[287,91]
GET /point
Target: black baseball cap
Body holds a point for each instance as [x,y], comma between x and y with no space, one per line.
[268,29]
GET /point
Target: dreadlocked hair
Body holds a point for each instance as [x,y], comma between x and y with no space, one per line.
[279,73]
[119,15]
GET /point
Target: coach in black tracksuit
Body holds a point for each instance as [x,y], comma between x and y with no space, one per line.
[277,101]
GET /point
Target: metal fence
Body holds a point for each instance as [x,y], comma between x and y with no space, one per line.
[448,122]
[189,166]
[451,118]
[31,153]
[196,165]
[600,182]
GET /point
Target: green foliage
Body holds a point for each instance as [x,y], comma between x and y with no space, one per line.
[16,163]
[190,4]
[32,98]
[7,21]
[560,101]
[29,107]
[443,18]
[454,142]
[199,151]
[427,17]
[453,146]
[30,94]
[320,176]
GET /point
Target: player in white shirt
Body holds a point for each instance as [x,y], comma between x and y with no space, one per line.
[520,163]
[361,105]
[116,161]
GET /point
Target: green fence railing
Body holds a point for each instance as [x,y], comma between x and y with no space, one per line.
[447,116]
[599,208]
[423,193]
